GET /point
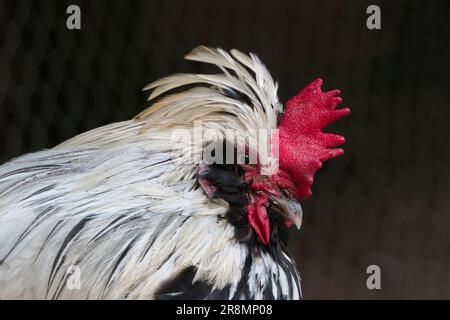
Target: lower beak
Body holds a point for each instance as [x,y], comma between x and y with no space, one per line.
[290,209]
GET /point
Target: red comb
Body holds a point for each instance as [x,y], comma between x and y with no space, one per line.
[303,146]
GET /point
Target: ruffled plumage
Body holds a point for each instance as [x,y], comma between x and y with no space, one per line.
[122,203]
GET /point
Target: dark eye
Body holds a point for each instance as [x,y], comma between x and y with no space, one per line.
[286,193]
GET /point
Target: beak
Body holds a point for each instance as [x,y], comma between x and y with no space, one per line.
[289,208]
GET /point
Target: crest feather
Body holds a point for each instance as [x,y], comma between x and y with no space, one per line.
[253,92]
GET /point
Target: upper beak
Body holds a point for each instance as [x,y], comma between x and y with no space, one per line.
[290,209]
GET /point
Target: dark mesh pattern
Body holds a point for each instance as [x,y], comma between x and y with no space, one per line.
[386,202]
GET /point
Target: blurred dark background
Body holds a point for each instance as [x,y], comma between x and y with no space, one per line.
[386,202]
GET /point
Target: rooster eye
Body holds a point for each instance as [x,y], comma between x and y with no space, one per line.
[286,193]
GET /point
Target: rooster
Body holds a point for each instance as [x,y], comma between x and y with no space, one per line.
[127,207]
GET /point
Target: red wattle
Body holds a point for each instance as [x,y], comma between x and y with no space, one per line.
[258,219]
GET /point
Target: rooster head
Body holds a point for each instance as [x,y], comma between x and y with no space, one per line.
[244,98]
[302,148]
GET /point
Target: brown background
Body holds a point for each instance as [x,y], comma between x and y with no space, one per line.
[386,202]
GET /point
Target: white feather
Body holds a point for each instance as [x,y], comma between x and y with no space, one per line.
[121,203]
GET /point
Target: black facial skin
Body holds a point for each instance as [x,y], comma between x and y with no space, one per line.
[228,179]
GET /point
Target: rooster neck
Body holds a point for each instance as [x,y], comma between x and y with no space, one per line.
[267,274]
